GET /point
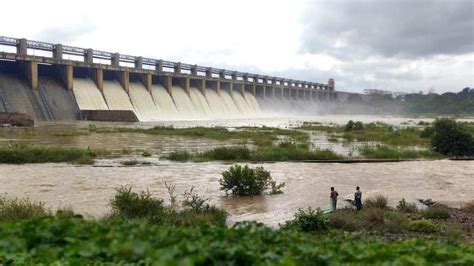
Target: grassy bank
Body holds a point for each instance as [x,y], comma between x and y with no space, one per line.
[384,152]
[142,229]
[373,132]
[20,154]
[284,151]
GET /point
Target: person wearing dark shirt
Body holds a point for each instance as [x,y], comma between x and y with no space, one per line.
[333,196]
[358,199]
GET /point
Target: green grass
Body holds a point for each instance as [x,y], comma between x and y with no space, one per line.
[278,152]
[20,154]
[16,209]
[384,152]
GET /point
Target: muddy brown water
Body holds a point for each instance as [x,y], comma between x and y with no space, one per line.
[87,189]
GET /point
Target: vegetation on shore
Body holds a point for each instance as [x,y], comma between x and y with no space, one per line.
[141,231]
[246,181]
[384,152]
[20,154]
[285,151]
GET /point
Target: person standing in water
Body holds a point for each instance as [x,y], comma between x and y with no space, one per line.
[333,196]
[358,199]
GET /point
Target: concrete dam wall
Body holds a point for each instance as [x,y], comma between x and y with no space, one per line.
[50,87]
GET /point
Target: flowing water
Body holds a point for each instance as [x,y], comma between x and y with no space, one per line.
[216,104]
[164,102]
[87,95]
[87,189]
[229,102]
[145,108]
[183,103]
[202,107]
[116,97]
[252,101]
[241,103]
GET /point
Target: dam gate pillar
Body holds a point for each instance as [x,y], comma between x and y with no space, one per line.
[30,69]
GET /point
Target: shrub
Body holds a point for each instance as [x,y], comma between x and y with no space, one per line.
[131,205]
[351,125]
[308,220]
[244,181]
[146,154]
[180,156]
[374,216]
[422,226]
[16,209]
[227,154]
[394,221]
[19,154]
[435,213]
[451,138]
[378,201]
[468,207]
[344,220]
[404,206]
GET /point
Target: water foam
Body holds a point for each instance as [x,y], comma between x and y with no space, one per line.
[87,95]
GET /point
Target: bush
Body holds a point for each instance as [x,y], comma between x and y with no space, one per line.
[227,154]
[180,156]
[468,207]
[378,201]
[245,181]
[132,205]
[19,154]
[146,154]
[404,206]
[351,125]
[374,216]
[451,138]
[308,220]
[422,226]
[12,209]
[435,213]
[344,220]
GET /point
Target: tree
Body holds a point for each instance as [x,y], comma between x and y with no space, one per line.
[451,138]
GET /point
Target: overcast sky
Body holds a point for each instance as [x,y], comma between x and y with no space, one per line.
[404,45]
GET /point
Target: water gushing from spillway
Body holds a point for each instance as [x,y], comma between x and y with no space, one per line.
[183,103]
[145,108]
[252,101]
[116,97]
[241,103]
[87,95]
[199,101]
[229,102]
[216,104]
[164,102]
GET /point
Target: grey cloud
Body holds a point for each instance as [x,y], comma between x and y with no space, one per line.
[66,33]
[390,28]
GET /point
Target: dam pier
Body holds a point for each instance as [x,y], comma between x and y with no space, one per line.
[60,82]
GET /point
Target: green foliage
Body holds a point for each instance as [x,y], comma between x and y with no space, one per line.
[19,154]
[378,201]
[404,206]
[12,209]
[384,152]
[435,213]
[146,154]
[180,156]
[422,226]
[451,138]
[226,154]
[353,126]
[246,181]
[344,219]
[132,205]
[308,220]
[75,241]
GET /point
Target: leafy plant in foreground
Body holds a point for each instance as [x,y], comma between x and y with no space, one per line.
[308,220]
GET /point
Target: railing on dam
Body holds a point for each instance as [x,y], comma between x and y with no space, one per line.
[63,54]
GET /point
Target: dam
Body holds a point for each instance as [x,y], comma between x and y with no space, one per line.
[59,82]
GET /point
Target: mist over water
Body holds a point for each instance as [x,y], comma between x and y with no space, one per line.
[241,103]
[87,95]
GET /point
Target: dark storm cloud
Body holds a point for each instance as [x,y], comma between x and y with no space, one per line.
[66,33]
[404,28]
